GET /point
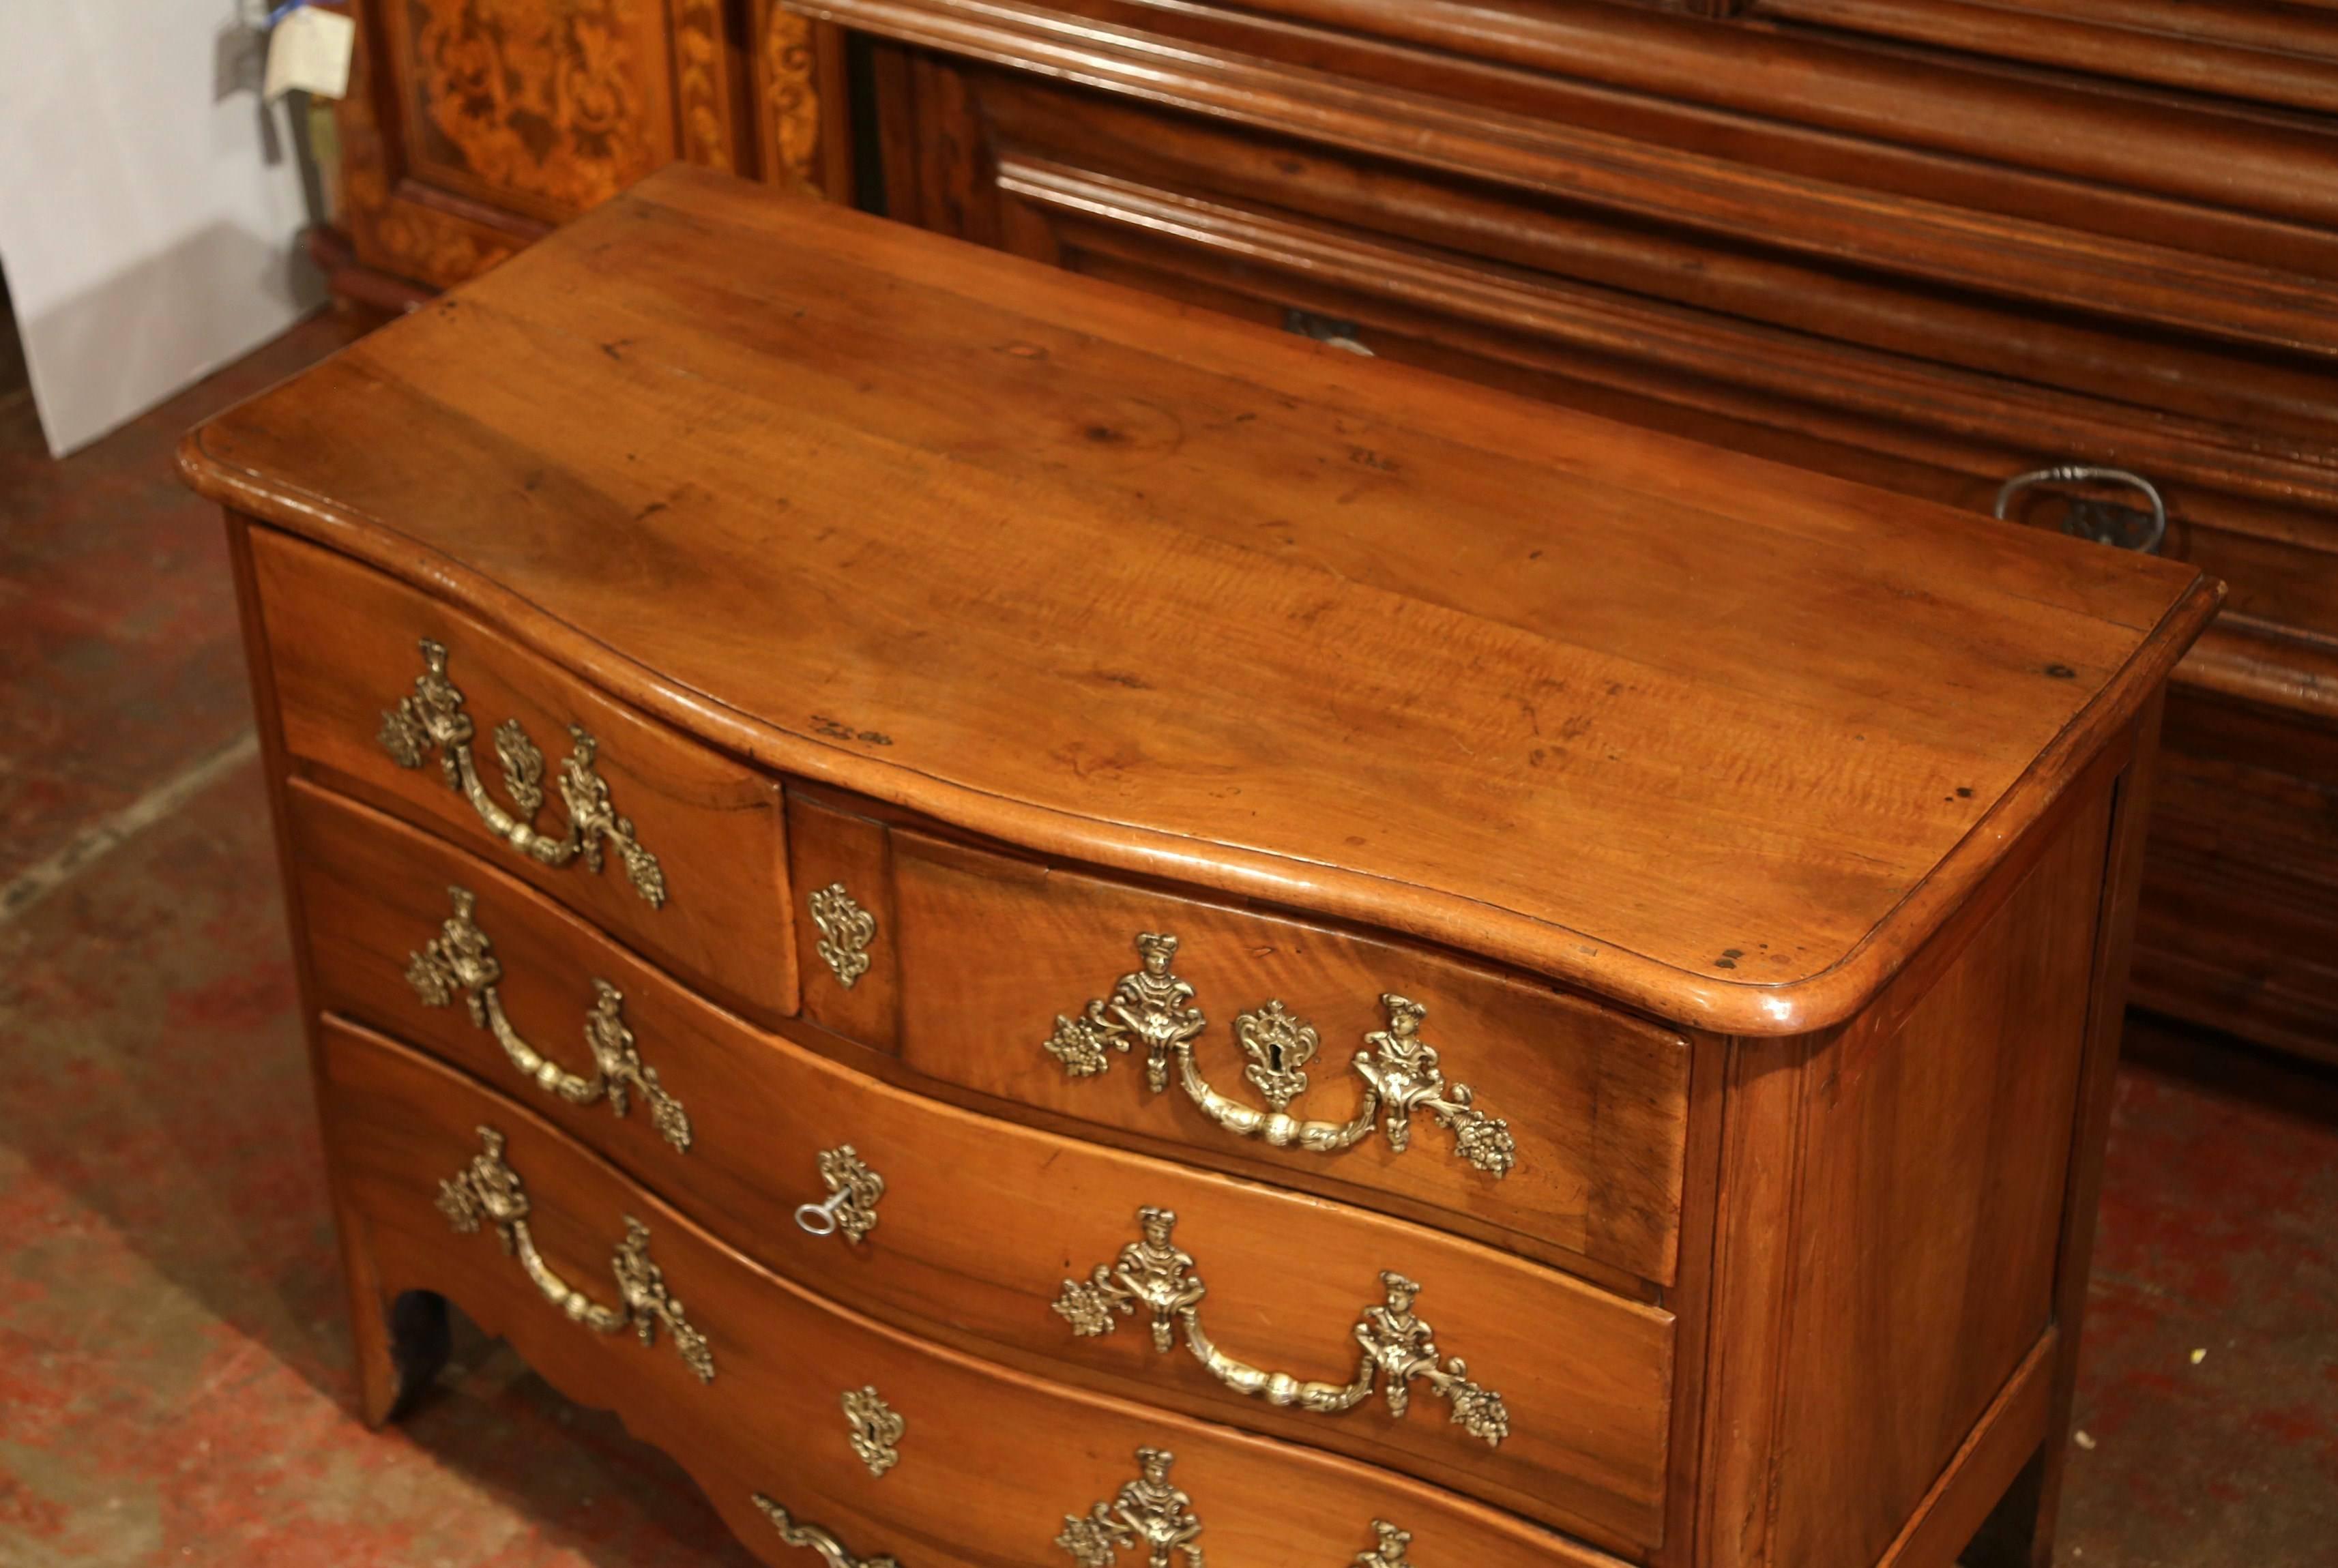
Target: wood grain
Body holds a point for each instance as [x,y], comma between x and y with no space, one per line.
[1510,71]
[2271,54]
[343,642]
[1982,259]
[830,845]
[1711,334]
[1913,425]
[1032,120]
[1755,1199]
[389,1364]
[982,1221]
[991,1459]
[1536,719]
[1894,1227]
[2239,920]
[1944,1523]
[1498,126]
[1710,331]
[2099,136]
[1929,1220]
[2122,874]
[2224,450]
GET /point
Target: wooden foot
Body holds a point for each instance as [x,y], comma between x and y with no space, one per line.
[2017,1535]
[400,1341]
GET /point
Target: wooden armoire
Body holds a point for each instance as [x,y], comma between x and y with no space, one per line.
[1934,245]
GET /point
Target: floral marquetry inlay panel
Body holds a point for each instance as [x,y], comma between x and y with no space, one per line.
[549,106]
[789,96]
[474,126]
[403,239]
[701,84]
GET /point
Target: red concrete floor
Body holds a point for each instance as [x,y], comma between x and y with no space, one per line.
[174,1380]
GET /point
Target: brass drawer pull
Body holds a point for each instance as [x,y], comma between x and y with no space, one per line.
[853,1191]
[831,1550]
[1397,1346]
[1150,1515]
[489,1189]
[1388,1551]
[460,959]
[1146,1515]
[1155,1008]
[432,718]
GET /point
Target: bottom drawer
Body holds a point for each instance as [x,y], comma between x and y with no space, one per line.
[823,1437]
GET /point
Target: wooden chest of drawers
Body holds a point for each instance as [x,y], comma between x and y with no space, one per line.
[1034,928]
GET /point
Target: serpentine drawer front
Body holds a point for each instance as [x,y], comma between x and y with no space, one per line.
[1395,1070]
[885,1445]
[991,1236]
[421,709]
[1035,929]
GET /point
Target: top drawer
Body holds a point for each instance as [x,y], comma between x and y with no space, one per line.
[1350,1064]
[418,709]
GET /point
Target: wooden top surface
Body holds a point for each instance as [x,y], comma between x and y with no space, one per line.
[1067,565]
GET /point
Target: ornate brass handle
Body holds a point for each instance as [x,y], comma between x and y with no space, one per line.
[1388,1549]
[1151,1515]
[831,1550]
[432,718]
[460,959]
[487,1189]
[853,1191]
[1155,1008]
[1396,1346]
[1147,1514]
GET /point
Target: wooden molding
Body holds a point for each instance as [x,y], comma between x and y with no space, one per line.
[2149,283]
[2268,666]
[1773,363]
[2270,55]
[2081,125]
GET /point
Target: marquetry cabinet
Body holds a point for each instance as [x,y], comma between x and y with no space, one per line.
[472,127]
[1037,925]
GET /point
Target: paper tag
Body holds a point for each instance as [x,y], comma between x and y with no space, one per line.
[310,51]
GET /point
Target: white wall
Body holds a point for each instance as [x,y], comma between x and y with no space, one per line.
[146,236]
